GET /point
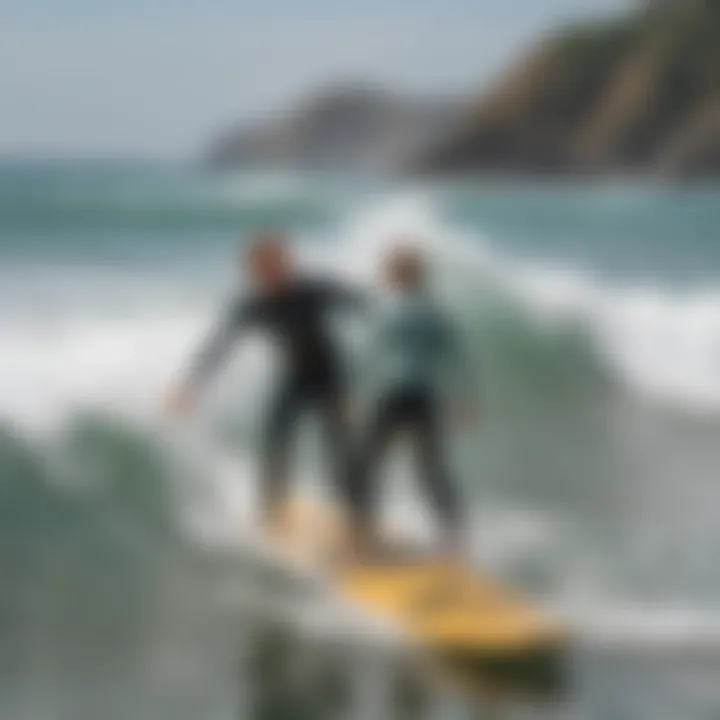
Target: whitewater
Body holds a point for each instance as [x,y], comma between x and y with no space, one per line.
[592,480]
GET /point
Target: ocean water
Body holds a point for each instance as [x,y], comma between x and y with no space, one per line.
[127,585]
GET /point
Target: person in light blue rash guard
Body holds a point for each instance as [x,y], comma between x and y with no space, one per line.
[415,356]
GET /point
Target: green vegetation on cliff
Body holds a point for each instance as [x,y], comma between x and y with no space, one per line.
[638,94]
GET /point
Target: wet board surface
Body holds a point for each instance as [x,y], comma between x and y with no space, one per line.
[449,608]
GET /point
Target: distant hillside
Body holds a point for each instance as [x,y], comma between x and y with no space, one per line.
[639,95]
[347,127]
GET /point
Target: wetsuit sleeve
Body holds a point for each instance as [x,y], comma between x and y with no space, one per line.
[220,341]
[343,296]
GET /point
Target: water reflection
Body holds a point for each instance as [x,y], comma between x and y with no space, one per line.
[291,675]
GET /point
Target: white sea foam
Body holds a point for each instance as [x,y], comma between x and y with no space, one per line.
[664,344]
[623,627]
[660,342]
[115,343]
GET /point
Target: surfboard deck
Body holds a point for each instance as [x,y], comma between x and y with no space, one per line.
[477,628]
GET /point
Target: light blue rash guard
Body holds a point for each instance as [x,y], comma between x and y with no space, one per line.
[417,347]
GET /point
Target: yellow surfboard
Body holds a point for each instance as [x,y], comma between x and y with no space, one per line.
[468,621]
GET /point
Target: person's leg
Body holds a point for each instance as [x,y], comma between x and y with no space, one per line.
[440,486]
[338,444]
[283,415]
[364,478]
[340,455]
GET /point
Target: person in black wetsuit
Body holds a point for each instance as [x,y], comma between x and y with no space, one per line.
[295,312]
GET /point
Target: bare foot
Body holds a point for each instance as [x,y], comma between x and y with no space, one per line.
[454,548]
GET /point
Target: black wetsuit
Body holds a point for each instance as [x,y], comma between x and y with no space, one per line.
[297,318]
[416,412]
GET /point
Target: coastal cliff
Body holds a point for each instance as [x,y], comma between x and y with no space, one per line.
[638,95]
[347,127]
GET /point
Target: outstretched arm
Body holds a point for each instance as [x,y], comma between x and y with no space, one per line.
[183,398]
[344,296]
[215,348]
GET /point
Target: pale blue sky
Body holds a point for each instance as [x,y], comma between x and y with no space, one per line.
[159,77]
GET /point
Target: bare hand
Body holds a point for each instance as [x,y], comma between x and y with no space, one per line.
[181,401]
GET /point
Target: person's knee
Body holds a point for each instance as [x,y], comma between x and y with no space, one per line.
[278,427]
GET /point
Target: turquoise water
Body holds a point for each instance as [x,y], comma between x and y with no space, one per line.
[594,317]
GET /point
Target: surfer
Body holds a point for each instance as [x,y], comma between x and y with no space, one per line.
[414,350]
[294,311]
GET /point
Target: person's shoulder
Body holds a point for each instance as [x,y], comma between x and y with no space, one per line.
[425,306]
[247,308]
[434,314]
[308,283]
[318,287]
